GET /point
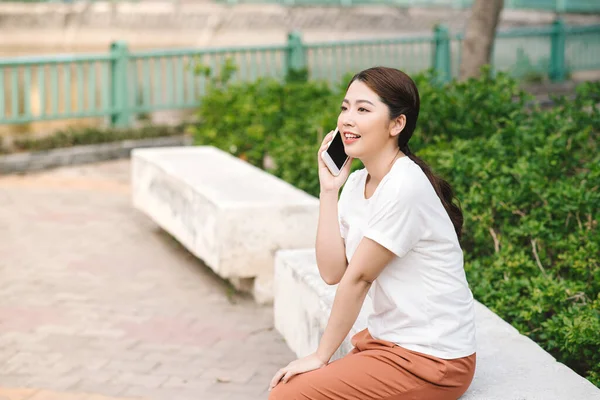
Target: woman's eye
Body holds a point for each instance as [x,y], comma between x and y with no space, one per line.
[344,108]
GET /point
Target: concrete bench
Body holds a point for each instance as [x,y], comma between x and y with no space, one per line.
[510,366]
[230,214]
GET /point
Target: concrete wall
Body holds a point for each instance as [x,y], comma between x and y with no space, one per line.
[91,26]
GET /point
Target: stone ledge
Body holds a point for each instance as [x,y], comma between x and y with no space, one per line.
[228,213]
[39,160]
[510,366]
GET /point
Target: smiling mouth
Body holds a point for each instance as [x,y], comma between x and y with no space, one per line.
[351,136]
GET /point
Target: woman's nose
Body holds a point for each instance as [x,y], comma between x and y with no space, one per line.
[347,120]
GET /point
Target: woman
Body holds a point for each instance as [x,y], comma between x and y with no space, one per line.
[399,229]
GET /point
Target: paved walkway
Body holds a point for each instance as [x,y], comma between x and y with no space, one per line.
[97,303]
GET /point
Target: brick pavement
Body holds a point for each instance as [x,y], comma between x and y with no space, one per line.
[97,303]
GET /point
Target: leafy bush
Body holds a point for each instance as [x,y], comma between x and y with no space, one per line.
[532,244]
[271,120]
[528,180]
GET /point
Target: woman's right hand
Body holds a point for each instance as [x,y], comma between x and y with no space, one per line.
[329,182]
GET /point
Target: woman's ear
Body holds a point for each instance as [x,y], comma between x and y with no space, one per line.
[397,125]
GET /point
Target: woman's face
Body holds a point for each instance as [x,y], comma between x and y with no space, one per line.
[363,122]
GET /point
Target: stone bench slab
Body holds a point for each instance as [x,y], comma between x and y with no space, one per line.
[510,366]
[228,213]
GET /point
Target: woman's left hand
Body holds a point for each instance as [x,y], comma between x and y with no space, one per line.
[300,366]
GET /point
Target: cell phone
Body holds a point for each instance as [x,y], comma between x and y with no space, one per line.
[335,156]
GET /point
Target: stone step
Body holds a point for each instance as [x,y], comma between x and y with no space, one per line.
[230,214]
[510,366]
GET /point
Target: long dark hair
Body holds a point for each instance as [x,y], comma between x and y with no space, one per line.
[399,92]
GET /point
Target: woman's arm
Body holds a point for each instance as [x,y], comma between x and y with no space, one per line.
[330,247]
[367,263]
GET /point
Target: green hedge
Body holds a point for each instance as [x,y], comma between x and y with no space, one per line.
[529,184]
[528,180]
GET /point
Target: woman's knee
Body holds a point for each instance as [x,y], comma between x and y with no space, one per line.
[309,385]
[282,391]
[297,387]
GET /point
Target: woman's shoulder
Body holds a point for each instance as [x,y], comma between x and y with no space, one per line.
[350,189]
[354,178]
[407,181]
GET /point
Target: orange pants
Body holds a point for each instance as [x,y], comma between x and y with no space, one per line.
[377,369]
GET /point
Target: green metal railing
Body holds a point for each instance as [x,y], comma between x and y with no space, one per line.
[122,84]
[166,79]
[37,89]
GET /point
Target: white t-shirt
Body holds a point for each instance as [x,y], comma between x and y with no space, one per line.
[421,300]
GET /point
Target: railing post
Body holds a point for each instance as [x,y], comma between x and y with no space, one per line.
[296,57]
[461,4]
[120,116]
[442,61]
[557,71]
[561,6]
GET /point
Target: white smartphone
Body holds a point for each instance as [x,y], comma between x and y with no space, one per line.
[334,156]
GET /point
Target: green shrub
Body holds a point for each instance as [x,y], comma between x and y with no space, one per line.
[271,120]
[532,245]
[467,109]
[528,180]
